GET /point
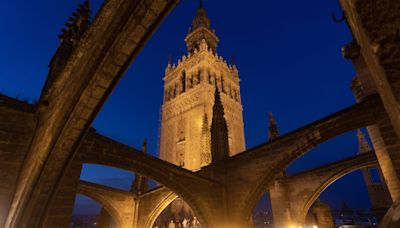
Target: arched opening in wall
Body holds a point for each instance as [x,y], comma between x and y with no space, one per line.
[304,182]
[88,207]
[358,204]
[177,214]
[88,213]
[262,213]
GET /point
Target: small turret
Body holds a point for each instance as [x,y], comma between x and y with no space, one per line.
[219,131]
[272,128]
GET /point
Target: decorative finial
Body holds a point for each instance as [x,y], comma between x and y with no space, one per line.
[144,147]
[233,59]
[273,129]
[219,131]
[169,60]
[201,19]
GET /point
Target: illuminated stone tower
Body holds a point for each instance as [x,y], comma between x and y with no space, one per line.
[189,88]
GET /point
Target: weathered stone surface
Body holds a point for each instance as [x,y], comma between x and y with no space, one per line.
[60,126]
[38,143]
[292,196]
[17,124]
[392,218]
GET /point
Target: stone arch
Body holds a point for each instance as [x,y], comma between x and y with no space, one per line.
[160,207]
[291,198]
[332,179]
[157,209]
[106,203]
[295,144]
[100,150]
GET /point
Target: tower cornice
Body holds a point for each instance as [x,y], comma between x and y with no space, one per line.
[199,57]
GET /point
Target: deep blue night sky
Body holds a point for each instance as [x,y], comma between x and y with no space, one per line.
[288,54]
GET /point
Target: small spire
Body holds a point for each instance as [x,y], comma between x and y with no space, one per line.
[233,59]
[201,19]
[201,29]
[169,60]
[363,145]
[219,131]
[273,128]
[144,146]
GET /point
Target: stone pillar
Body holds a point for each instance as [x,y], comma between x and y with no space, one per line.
[196,78]
[379,45]
[280,205]
[179,86]
[391,219]
[386,150]
[383,136]
[203,76]
[322,215]
[60,213]
[104,219]
[188,81]
[377,189]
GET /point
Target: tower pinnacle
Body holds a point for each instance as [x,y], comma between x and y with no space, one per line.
[201,29]
[219,131]
[272,129]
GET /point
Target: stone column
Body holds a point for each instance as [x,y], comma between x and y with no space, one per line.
[104,219]
[280,205]
[323,216]
[383,136]
[188,81]
[203,76]
[379,46]
[60,213]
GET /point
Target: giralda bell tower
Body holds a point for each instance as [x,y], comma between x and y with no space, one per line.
[189,88]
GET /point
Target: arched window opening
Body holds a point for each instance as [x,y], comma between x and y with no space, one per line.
[88,213]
